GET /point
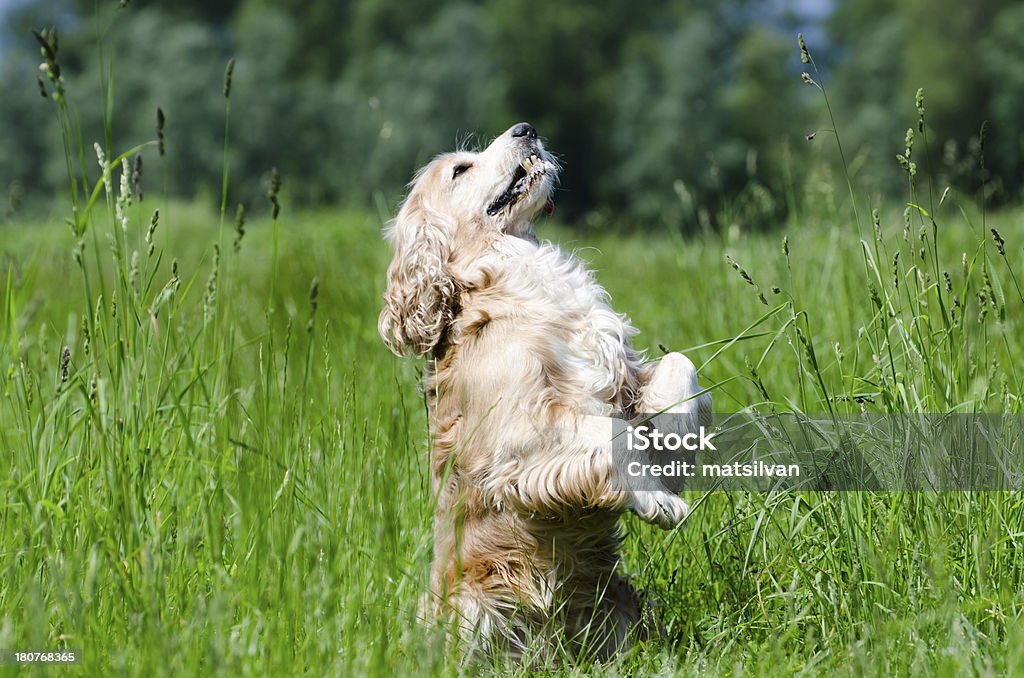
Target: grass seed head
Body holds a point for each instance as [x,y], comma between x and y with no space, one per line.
[875,299]
[739,269]
[65,360]
[909,167]
[154,221]
[746,277]
[314,292]
[210,298]
[919,103]
[49,48]
[124,196]
[229,71]
[239,226]
[756,378]
[85,336]
[1000,243]
[137,177]
[101,160]
[133,271]
[905,162]
[272,192]
[160,120]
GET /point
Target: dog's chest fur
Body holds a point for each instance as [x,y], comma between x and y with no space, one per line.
[552,297]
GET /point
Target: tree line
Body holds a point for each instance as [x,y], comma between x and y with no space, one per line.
[687,113]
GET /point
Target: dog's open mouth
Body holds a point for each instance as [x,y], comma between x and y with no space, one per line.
[526,174]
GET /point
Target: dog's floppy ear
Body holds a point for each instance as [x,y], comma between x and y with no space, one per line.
[421,293]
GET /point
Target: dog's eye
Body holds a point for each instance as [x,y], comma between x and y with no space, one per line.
[459,169]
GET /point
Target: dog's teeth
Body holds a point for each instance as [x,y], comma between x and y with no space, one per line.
[529,163]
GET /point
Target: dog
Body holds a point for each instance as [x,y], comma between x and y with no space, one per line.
[527,369]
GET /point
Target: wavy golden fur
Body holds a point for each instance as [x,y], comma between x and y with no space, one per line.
[527,366]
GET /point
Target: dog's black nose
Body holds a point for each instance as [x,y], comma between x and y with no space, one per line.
[524,129]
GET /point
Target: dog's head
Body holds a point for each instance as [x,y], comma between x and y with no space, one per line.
[502,186]
[456,205]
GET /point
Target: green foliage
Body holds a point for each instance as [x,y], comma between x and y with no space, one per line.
[453,82]
[685,113]
[662,132]
[1003,57]
[22,156]
[964,59]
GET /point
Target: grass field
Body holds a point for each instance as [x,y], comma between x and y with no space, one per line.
[211,464]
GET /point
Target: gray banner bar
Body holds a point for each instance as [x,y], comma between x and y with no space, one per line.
[874,452]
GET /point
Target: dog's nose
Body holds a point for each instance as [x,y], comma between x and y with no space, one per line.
[524,129]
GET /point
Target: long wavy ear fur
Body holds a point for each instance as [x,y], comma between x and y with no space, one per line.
[421,294]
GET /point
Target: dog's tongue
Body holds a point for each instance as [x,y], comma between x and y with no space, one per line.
[549,207]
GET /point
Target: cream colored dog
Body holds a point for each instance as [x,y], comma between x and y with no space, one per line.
[527,367]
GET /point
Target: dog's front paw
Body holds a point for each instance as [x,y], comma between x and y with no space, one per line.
[660,508]
[672,385]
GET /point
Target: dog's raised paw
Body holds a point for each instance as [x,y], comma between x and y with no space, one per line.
[660,508]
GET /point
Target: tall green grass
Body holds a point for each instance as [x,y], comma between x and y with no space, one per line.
[210,463]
